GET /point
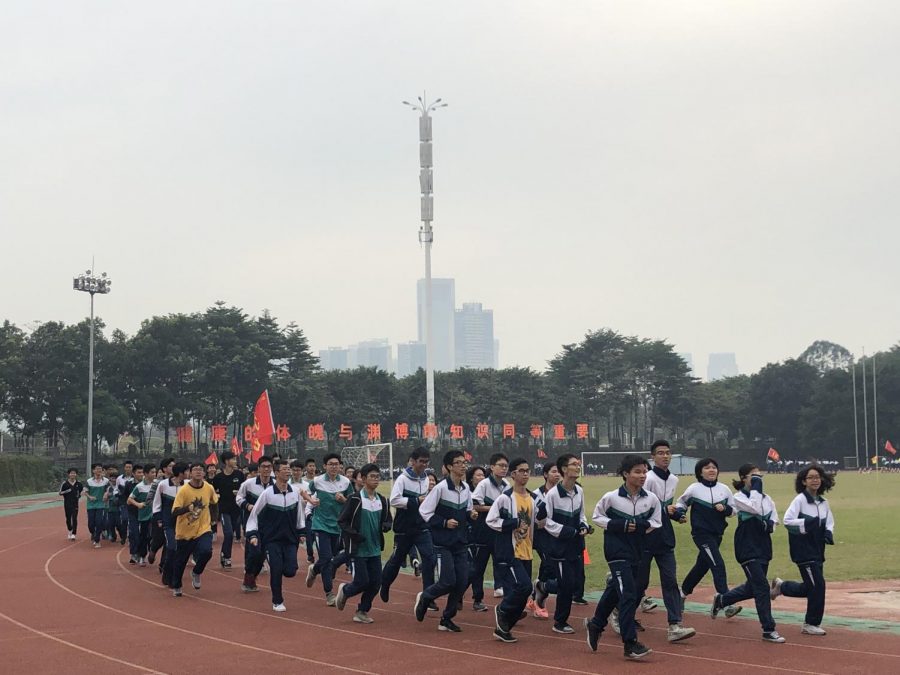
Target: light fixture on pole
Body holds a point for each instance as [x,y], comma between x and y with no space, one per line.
[91,283]
[426,234]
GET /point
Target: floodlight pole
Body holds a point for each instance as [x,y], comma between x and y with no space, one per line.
[426,234]
[89,283]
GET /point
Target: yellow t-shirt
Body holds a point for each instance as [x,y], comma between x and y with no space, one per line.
[525,506]
[195,522]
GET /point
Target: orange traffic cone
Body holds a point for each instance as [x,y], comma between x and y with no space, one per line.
[587,557]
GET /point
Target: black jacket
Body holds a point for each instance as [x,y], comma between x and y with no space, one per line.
[348,521]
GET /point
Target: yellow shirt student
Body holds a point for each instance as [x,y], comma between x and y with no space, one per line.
[196,521]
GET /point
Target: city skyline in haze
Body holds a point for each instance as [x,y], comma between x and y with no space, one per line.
[717,175]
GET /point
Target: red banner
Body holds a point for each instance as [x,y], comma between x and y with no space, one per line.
[211,459]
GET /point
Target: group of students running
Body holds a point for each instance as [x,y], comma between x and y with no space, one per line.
[451,526]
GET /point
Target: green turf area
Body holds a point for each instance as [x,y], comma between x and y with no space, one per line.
[867,528]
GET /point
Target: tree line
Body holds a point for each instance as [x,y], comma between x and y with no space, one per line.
[207,368]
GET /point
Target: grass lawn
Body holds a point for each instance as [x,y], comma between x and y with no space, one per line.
[866,510]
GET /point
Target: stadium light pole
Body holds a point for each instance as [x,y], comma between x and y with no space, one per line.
[426,234]
[91,283]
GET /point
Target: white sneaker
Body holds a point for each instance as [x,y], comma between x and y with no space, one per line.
[195,581]
[498,592]
[809,629]
[648,605]
[732,610]
[361,617]
[677,632]
[279,607]
[773,636]
[775,588]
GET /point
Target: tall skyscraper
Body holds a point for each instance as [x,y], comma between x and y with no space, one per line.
[334,358]
[373,354]
[721,365]
[410,357]
[443,306]
[474,334]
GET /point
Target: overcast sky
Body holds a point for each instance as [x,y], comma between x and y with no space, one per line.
[722,175]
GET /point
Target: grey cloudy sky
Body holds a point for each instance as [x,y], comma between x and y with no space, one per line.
[719,174]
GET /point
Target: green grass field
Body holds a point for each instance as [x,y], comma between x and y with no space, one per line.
[867,530]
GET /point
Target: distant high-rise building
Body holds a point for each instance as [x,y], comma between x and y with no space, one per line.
[443,307]
[410,357]
[721,365]
[334,358]
[688,359]
[496,353]
[373,354]
[474,335]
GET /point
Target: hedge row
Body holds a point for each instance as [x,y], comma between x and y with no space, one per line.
[23,474]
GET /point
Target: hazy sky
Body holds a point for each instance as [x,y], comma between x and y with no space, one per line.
[719,174]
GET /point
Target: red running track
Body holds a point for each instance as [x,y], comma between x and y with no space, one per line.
[68,607]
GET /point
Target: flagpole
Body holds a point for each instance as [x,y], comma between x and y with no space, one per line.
[855,420]
[865,409]
[875,407]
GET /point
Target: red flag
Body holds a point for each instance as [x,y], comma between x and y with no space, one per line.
[235,446]
[211,459]
[262,418]
[467,455]
[257,452]
[773,455]
[541,454]
[890,448]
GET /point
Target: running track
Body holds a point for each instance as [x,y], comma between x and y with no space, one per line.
[68,607]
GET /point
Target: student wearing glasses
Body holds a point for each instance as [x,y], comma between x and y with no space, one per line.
[512,517]
[446,509]
[566,525]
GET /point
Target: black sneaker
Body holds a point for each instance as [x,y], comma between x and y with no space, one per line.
[449,626]
[504,636]
[635,650]
[638,626]
[420,607]
[432,607]
[479,606]
[579,601]
[716,606]
[563,628]
[501,621]
[540,594]
[385,593]
[226,563]
[593,634]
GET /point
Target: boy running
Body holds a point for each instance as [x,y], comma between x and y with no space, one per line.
[659,545]
[275,526]
[484,495]
[446,510]
[512,516]
[249,492]
[565,523]
[328,493]
[140,514]
[409,491]
[364,520]
[194,512]
[227,484]
[71,490]
[97,491]
[626,515]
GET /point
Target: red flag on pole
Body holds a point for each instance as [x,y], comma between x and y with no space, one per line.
[235,446]
[467,455]
[211,459]
[773,455]
[890,448]
[262,418]
[541,454]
